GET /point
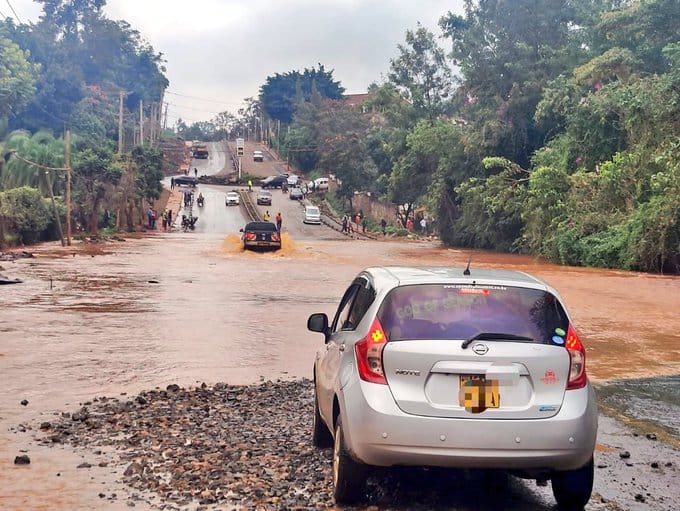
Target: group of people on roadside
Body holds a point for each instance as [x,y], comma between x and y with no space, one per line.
[359,221]
[152,216]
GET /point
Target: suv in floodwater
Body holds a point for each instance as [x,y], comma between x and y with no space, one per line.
[261,235]
[454,368]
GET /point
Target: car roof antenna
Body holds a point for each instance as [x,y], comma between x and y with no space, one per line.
[467,269]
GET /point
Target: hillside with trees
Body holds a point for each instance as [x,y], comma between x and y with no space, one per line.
[548,127]
[69,71]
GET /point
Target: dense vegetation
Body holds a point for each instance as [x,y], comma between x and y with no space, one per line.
[67,71]
[558,136]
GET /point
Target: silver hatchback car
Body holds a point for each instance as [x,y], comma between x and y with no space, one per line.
[457,368]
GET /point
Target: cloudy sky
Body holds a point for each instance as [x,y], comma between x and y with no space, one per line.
[219,52]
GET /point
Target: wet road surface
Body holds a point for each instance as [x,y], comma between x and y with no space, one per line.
[193,307]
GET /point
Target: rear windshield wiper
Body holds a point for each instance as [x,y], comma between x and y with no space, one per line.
[495,336]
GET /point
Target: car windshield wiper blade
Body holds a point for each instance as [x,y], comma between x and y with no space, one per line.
[495,336]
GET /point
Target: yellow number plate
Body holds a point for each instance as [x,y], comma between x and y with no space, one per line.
[476,393]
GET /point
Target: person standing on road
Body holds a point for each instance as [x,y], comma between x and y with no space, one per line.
[363,224]
[266,216]
[344,224]
[423,225]
[383,226]
[279,221]
[172,183]
[195,172]
[250,185]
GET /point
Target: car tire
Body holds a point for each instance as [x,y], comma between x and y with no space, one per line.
[572,488]
[348,475]
[321,436]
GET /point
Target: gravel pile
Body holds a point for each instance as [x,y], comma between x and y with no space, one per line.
[249,448]
[242,446]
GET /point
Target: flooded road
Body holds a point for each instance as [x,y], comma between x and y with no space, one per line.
[190,308]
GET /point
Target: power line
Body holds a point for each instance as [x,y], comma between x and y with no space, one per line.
[206,99]
[15,12]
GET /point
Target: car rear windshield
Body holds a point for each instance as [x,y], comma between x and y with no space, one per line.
[260,226]
[436,311]
[312,211]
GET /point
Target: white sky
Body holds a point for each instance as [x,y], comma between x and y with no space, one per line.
[221,51]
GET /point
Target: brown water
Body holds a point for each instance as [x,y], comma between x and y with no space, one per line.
[195,308]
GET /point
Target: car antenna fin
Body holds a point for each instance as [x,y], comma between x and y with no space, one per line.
[467,269]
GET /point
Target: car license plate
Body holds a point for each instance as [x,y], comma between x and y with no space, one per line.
[476,393]
[263,243]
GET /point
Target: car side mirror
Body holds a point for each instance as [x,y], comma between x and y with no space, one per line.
[319,323]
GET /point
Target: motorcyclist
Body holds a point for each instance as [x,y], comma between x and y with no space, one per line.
[200,198]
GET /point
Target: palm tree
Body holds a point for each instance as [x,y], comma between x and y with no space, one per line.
[40,148]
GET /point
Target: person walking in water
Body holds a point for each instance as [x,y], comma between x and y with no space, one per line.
[279,221]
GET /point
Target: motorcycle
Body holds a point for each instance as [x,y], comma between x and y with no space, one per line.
[200,201]
[189,222]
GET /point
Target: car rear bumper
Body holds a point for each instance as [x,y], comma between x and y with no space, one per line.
[379,433]
[262,244]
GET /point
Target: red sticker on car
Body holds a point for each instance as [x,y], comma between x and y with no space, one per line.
[549,378]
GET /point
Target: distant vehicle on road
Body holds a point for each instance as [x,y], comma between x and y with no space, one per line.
[264,198]
[258,156]
[232,199]
[261,235]
[200,152]
[321,183]
[274,181]
[293,180]
[186,180]
[295,194]
[312,215]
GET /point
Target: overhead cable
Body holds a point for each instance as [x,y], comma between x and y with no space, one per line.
[15,12]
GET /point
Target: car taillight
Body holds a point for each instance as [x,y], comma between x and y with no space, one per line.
[577,360]
[369,354]
[251,236]
[276,237]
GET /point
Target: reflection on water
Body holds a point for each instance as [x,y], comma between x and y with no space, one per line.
[654,399]
[190,308]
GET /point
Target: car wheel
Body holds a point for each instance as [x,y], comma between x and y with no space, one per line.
[572,488]
[321,437]
[348,475]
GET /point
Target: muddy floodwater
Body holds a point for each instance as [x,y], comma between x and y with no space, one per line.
[127,316]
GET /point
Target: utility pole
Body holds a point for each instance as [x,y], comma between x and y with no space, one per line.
[67,165]
[165,119]
[120,122]
[141,122]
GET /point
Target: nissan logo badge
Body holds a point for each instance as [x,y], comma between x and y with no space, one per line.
[480,349]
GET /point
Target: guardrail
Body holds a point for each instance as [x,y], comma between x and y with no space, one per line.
[247,204]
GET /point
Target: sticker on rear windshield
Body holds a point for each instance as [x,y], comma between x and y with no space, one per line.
[473,291]
[558,340]
[468,286]
[560,332]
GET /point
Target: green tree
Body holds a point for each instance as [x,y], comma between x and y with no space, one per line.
[281,93]
[94,176]
[17,78]
[24,212]
[421,73]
